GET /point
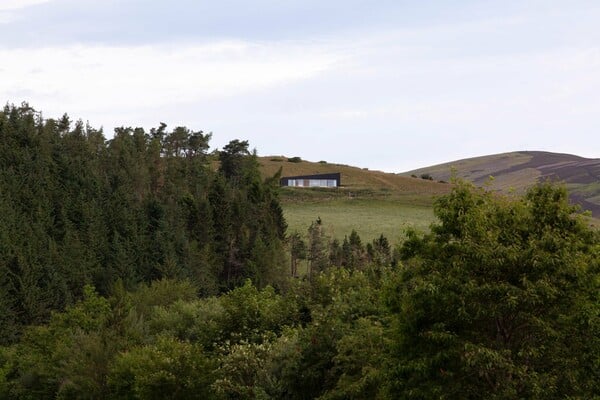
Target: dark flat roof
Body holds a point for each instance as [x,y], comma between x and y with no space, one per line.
[336,175]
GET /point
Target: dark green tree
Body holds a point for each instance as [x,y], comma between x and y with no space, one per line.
[79,209]
[336,253]
[379,251]
[317,248]
[233,158]
[353,251]
[297,251]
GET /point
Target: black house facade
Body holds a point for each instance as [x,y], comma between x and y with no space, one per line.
[320,180]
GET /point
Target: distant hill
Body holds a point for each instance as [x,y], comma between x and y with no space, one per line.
[355,181]
[519,170]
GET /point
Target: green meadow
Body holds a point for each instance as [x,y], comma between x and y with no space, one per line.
[370,202]
[369,217]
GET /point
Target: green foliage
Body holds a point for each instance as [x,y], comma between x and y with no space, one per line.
[294,159]
[248,312]
[233,157]
[491,302]
[79,209]
[161,293]
[358,362]
[7,360]
[199,321]
[67,358]
[298,251]
[191,299]
[379,251]
[353,251]
[317,248]
[241,371]
[168,369]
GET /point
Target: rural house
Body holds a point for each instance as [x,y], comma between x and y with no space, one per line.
[320,180]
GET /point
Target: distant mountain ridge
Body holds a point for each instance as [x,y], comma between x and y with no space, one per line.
[519,170]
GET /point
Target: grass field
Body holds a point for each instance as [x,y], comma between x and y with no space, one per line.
[370,202]
[369,217]
[375,202]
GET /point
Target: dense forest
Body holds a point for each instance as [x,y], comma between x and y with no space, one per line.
[78,209]
[147,267]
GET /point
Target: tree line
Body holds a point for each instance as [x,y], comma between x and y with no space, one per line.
[79,209]
[499,299]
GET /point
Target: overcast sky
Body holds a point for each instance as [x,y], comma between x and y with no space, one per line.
[390,85]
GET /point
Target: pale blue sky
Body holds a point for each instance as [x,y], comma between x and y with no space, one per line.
[390,85]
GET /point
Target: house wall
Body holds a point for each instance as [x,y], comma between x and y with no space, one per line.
[321,180]
[312,182]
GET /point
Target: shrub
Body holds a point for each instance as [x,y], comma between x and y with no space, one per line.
[295,159]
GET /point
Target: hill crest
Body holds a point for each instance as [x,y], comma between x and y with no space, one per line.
[515,171]
[355,180]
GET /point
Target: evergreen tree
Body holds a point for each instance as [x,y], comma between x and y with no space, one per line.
[233,157]
[317,248]
[78,209]
[297,251]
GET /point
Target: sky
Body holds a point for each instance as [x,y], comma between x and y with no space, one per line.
[385,85]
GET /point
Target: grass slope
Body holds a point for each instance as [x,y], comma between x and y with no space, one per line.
[357,181]
[370,202]
[369,217]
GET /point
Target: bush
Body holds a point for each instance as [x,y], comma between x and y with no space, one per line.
[295,159]
[427,177]
[167,369]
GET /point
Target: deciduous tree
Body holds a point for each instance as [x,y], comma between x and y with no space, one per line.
[500,300]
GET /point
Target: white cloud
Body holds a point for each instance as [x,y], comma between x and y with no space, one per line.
[100,78]
[415,85]
[8,8]
[455,90]
[6,5]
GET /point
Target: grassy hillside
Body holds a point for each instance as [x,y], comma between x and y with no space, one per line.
[518,170]
[479,169]
[356,182]
[370,202]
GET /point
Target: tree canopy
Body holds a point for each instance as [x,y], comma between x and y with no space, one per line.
[500,300]
[78,209]
[146,267]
